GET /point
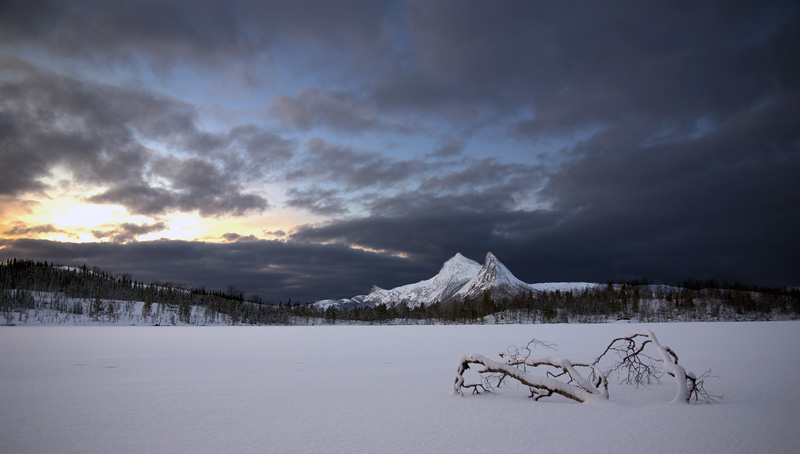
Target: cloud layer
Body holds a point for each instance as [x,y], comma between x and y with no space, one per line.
[588,141]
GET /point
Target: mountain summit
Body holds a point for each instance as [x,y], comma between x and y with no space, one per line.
[459,277]
[493,277]
[455,272]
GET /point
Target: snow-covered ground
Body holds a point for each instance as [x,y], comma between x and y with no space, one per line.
[377,389]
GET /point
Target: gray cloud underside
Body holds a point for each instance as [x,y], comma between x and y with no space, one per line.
[317,200]
[570,65]
[604,63]
[25,229]
[690,167]
[128,231]
[205,32]
[355,169]
[687,113]
[274,270]
[319,107]
[98,133]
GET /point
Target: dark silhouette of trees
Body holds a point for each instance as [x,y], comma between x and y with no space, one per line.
[106,298]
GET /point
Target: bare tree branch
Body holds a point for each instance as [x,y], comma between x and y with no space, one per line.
[638,367]
[642,369]
[518,360]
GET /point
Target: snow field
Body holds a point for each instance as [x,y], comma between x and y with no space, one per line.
[378,389]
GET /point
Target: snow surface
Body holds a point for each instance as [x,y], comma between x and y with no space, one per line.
[374,389]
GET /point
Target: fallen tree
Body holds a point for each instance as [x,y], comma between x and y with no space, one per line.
[638,367]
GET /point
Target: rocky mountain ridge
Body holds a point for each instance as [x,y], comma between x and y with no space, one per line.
[459,278]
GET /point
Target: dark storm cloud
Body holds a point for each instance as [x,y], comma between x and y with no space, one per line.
[720,205]
[314,107]
[317,200]
[206,32]
[690,117]
[146,200]
[594,63]
[449,149]
[21,229]
[49,120]
[506,180]
[679,123]
[235,237]
[94,130]
[202,186]
[137,198]
[354,169]
[265,150]
[428,234]
[386,185]
[668,243]
[128,231]
[274,270]
[461,208]
[231,236]
[716,203]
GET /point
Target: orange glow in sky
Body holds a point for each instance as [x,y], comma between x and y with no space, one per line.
[66,218]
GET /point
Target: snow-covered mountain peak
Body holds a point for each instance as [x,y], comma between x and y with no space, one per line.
[497,272]
[458,265]
[491,260]
[492,276]
[455,272]
[459,277]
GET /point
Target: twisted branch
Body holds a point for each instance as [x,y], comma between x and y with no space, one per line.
[638,368]
[517,362]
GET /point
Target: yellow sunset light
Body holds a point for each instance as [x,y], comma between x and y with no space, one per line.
[179,226]
[66,216]
[77,215]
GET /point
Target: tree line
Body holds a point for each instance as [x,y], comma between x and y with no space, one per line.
[107,294]
[107,297]
[629,301]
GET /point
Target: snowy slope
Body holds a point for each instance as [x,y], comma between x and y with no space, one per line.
[459,277]
[563,286]
[56,309]
[495,278]
[455,272]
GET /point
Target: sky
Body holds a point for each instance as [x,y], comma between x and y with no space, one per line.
[311,149]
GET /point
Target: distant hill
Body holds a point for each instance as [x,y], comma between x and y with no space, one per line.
[42,293]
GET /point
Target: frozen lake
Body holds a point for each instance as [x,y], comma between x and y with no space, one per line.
[378,389]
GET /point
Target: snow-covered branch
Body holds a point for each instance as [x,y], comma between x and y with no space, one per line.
[576,386]
[562,376]
[641,368]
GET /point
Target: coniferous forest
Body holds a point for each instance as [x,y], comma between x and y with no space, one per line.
[44,293]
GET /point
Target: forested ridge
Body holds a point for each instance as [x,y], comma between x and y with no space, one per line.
[41,292]
[103,296]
